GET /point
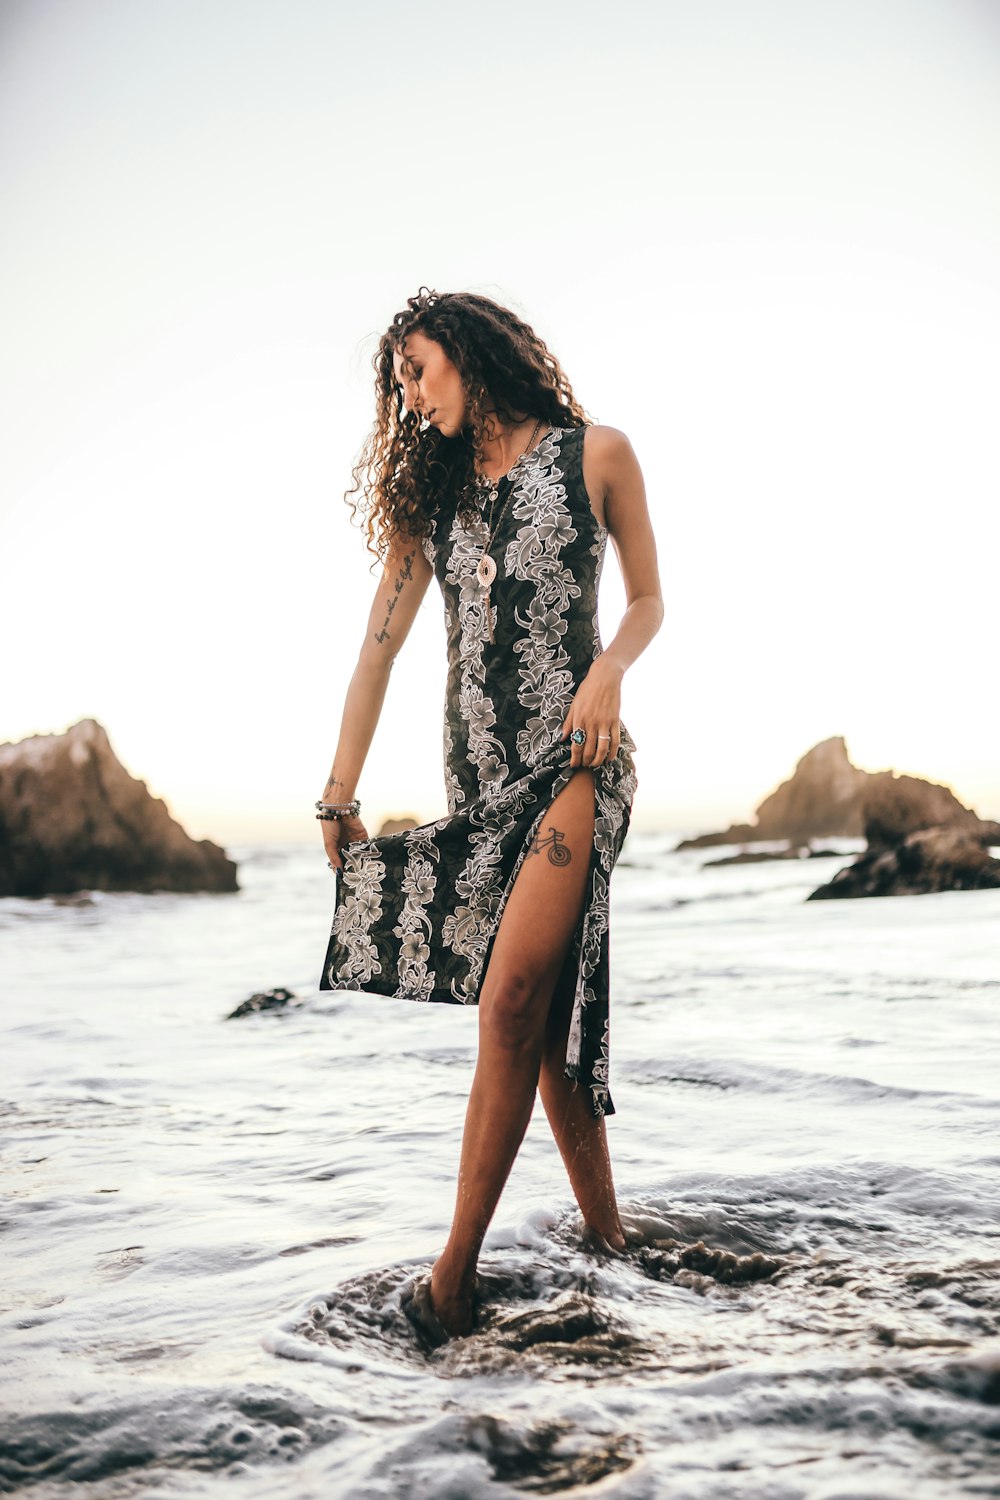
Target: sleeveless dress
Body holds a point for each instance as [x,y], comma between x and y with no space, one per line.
[416,912]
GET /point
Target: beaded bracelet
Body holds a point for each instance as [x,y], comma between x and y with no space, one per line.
[332,812]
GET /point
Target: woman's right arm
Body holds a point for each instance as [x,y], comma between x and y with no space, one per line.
[401,588]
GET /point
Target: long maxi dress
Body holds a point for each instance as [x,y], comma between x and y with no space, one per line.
[417,912]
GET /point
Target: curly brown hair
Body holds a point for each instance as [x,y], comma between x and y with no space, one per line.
[407,474]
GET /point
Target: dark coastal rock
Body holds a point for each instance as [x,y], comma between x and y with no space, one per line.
[896,806]
[276,999]
[73,819]
[736,833]
[822,799]
[932,859]
[758,856]
[921,839]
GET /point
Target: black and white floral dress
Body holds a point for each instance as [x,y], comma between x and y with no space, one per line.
[417,912]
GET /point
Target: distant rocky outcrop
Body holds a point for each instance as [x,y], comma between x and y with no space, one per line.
[896,806]
[822,799]
[934,859]
[759,856]
[72,819]
[397,825]
[921,839]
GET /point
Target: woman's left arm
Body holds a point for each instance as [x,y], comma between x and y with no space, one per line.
[614,481]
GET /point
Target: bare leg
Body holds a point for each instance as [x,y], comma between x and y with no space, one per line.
[580,1135]
[538,923]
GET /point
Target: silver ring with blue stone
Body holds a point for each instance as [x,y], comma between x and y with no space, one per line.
[578,736]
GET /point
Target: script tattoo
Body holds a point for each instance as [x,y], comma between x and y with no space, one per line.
[405,573]
[559,853]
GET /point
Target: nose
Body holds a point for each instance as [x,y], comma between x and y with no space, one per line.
[411,395]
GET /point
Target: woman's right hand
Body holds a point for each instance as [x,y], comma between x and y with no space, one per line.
[337,834]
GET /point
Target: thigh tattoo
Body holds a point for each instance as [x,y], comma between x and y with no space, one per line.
[558,850]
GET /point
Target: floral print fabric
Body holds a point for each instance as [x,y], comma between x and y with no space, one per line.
[417,912]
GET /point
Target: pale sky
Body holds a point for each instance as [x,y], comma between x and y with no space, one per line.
[762,236]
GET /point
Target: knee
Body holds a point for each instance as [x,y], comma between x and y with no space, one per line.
[511,1015]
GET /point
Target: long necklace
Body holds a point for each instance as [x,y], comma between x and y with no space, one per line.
[486,569]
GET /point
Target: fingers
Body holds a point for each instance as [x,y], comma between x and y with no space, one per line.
[598,746]
[602,739]
[337,834]
[334,839]
[577,747]
[331,843]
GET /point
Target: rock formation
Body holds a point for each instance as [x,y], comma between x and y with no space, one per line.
[72,818]
[920,839]
[266,1000]
[895,806]
[761,856]
[933,859]
[822,799]
[397,825]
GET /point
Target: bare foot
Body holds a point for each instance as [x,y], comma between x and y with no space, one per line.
[612,1243]
[454,1302]
[415,1302]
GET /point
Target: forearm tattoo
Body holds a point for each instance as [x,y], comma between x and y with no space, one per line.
[558,849]
[405,574]
[333,784]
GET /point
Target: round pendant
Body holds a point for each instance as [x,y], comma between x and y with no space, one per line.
[486,571]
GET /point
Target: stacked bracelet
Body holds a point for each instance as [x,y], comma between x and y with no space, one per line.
[332,812]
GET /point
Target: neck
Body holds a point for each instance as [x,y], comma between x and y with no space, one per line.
[504,442]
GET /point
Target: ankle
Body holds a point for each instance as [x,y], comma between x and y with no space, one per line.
[456,1272]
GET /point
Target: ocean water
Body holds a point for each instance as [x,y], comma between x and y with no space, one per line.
[207,1223]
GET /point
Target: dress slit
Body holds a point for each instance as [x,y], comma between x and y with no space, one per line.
[574,948]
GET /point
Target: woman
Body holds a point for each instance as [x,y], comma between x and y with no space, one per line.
[482,469]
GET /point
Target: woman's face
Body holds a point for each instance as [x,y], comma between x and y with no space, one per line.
[430,383]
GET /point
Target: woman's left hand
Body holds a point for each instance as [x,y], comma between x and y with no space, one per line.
[596,709]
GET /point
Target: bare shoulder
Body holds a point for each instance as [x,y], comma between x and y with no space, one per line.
[608,443]
[608,457]
[610,469]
